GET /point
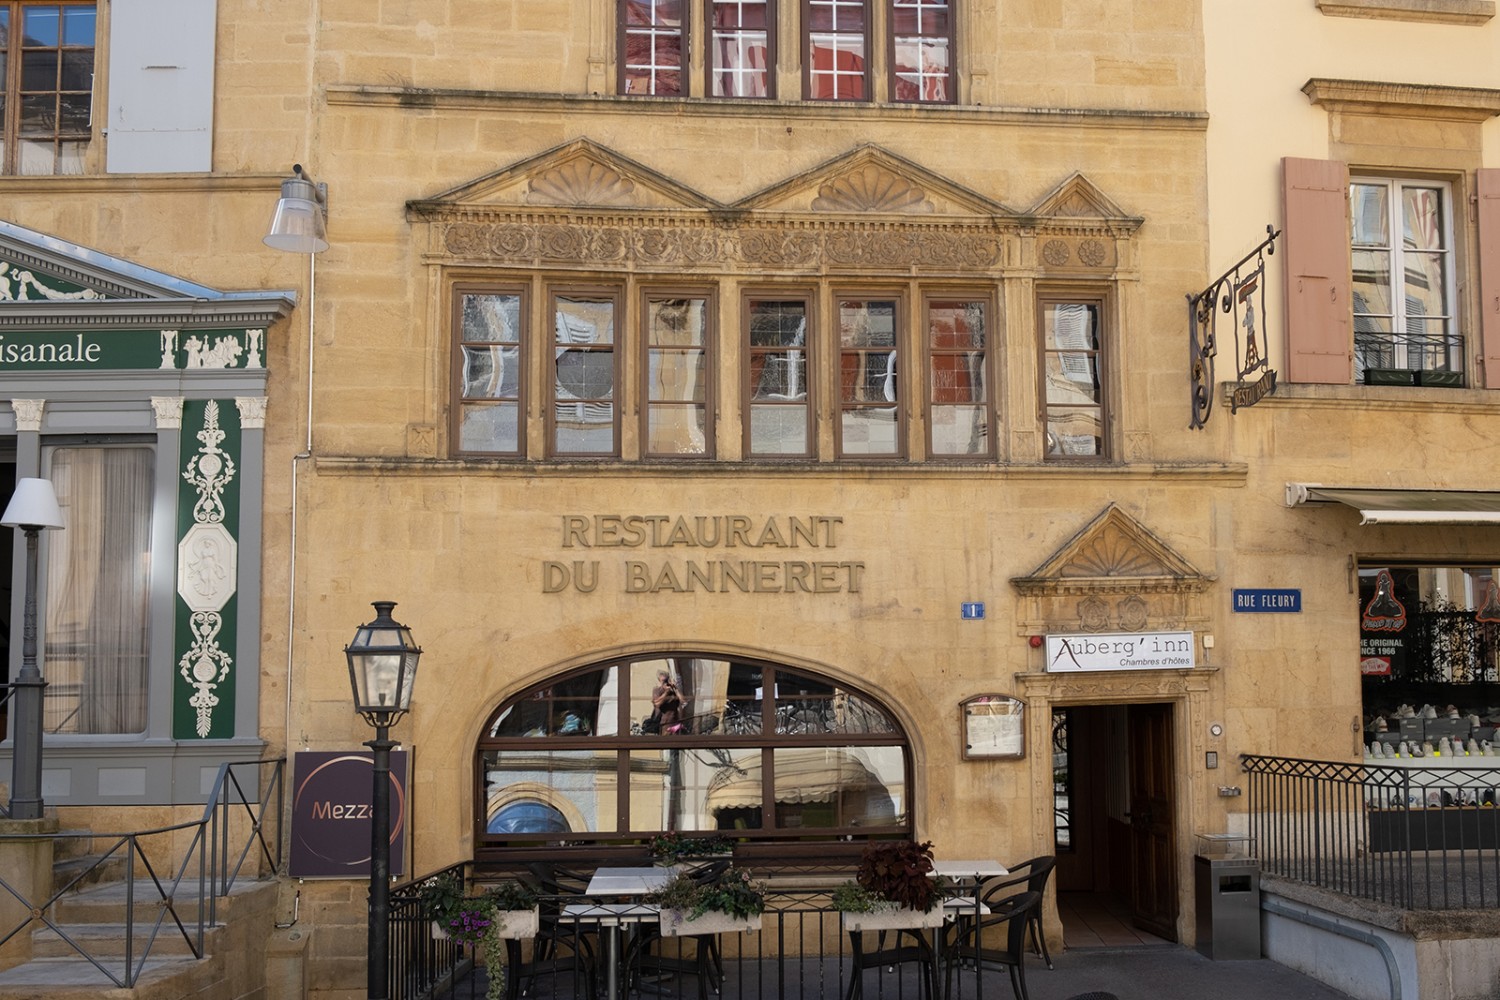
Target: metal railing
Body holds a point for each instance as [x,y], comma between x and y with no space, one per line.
[802,951]
[1409,358]
[1419,836]
[170,878]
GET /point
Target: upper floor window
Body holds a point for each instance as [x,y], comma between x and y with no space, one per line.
[1072,394]
[778,414]
[47,64]
[490,376]
[584,366]
[844,50]
[678,415]
[869,378]
[653,47]
[741,48]
[959,413]
[1403,283]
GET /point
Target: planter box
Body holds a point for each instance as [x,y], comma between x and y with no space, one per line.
[675,923]
[893,918]
[1390,376]
[516,923]
[1442,379]
[504,924]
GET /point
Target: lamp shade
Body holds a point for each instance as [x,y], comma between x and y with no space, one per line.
[382,667]
[298,225]
[33,505]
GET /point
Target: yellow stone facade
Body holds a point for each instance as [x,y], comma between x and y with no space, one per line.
[1124,150]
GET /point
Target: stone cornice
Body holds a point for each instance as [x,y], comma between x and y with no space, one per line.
[1404,100]
[99,314]
[1433,11]
[427,99]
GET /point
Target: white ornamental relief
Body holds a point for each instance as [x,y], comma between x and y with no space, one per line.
[14,285]
[222,352]
[205,666]
[252,412]
[28,413]
[210,470]
[168,411]
[207,568]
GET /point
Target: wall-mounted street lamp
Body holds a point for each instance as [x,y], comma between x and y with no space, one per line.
[300,224]
[32,508]
[382,671]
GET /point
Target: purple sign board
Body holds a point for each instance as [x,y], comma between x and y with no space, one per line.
[331,814]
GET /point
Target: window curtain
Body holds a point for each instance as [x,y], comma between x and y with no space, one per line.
[98,590]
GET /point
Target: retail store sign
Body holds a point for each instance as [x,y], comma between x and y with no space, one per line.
[1252,601]
[1120,651]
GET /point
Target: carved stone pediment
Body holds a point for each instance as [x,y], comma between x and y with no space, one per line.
[870,180]
[578,175]
[1078,199]
[1113,575]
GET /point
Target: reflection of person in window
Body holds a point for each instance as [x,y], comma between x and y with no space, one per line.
[666,703]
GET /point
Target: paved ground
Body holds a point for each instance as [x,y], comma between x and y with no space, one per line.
[1165,972]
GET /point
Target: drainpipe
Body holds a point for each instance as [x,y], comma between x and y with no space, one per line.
[1273,905]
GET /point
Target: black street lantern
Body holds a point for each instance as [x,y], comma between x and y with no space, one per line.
[382,669]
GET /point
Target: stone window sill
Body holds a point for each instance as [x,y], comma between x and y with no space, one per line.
[1438,11]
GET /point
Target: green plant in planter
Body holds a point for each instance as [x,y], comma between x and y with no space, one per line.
[732,891]
[470,920]
[672,847]
[511,895]
[897,872]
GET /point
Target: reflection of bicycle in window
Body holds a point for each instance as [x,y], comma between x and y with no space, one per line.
[741,720]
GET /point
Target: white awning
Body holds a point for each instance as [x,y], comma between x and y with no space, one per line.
[1388,506]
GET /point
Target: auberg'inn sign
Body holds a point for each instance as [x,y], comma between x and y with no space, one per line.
[710,553]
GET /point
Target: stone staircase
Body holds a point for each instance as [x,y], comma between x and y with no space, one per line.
[90,919]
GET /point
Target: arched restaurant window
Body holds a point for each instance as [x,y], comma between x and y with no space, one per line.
[767,755]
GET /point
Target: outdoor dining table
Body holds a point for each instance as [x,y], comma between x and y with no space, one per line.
[612,917]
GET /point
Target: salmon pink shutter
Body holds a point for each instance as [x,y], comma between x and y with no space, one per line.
[1319,327]
[1488,188]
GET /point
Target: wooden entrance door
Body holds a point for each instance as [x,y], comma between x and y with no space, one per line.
[1153,888]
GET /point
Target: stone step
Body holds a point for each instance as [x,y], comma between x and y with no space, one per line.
[76,979]
[106,902]
[107,941]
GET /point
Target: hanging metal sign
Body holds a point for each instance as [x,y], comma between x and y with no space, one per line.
[1233,294]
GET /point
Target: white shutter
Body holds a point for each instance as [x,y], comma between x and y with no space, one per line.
[160,109]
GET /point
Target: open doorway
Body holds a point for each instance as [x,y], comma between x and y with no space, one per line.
[1113,787]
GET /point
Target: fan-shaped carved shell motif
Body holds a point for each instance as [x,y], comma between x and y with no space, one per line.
[1113,553]
[581,182]
[871,189]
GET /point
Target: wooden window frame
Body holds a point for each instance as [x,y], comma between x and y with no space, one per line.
[615,295]
[10,128]
[902,339]
[951,37]
[806,59]
[684,51]
[1400,318]
[772,25]
[988,367]
[1102,300]
[709,295]
[459,402]
[810,299]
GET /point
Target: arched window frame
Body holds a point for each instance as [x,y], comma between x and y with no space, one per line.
[788,723]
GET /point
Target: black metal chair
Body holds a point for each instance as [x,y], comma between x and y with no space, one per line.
[554,936]
[917,950]
[1032,873]
[707,963]
[1012,914]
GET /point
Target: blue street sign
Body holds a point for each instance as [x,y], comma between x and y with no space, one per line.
[1261,601]
[972,610]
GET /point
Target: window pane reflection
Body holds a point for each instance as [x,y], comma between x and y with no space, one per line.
[806,706]
[695,789]
[584,705]
[841,787]
[580,783]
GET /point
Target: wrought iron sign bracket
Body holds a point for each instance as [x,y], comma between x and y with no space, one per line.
[1233,294]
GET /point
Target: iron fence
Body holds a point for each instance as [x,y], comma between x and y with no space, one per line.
[803,950]
[168,881]
[1419,835]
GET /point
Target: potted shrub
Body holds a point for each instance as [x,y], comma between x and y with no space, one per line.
[730,902]
[894,887]
[670,848]
[513,908]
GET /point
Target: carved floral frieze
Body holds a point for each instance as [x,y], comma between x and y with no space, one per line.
[584,243]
